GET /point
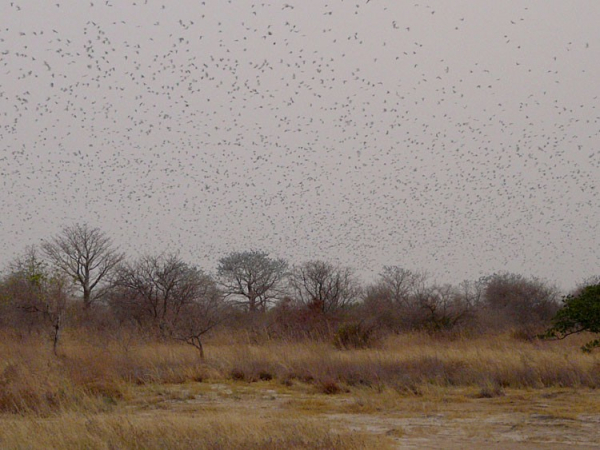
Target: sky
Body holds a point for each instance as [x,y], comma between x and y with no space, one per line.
[460,138]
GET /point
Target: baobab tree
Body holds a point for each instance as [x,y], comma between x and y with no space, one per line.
[86,255]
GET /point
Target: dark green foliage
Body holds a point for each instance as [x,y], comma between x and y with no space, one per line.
[579,313]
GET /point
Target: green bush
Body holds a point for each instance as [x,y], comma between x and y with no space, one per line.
[580,313]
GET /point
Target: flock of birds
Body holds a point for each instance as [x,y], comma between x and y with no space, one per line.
[460,140]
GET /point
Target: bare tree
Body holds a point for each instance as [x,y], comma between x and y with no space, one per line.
[471,292]
[403,300]
[527,304]
[443,307]
[201,316]
[390,301]
[401,284]
[253,277]
[175,299]
[85,254]
[324,287]
[396,287]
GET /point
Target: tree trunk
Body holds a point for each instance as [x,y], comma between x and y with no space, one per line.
[86,298]
[197,342]
[200,347]
[56,338]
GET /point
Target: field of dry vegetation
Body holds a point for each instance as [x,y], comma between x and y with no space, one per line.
[411,390]
[98,351]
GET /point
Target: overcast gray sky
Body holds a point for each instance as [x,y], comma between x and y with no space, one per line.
[459,137]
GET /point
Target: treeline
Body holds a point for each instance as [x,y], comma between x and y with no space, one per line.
[78,278]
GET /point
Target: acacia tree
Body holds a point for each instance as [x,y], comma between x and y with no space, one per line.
[201,316]
[86,255]
[164,293]
[579,313]
[252,277]
[592,280]
[324,287]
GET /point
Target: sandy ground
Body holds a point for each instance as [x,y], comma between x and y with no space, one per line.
[457,419]
[495,432]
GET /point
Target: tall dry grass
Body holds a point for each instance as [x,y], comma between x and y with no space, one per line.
[92,375]
[88,375]
[169,431]
[405,362]
[82,398]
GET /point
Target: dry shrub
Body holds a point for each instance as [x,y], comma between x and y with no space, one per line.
[252,370]
[353,336]
[331,387]
[490,389]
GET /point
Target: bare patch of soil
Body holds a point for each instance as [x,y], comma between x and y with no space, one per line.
[537,419]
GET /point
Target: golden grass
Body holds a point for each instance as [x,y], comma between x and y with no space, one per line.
[103,394]
[408,362]
[94,375]
[176,431]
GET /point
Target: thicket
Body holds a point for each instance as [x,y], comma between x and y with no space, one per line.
[78,280]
